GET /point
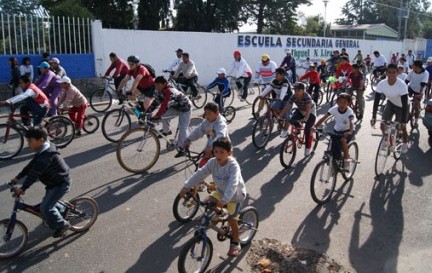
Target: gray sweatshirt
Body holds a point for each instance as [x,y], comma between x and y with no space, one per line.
[228,179]
[189,70]
[214,130]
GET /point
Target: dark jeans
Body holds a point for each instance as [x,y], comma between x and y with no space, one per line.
[293,77]
[190,83]
[295,120]
[118,79]
[314,87]
[336,147]
[49,207]
[36,110]
[220,101]
[246,82]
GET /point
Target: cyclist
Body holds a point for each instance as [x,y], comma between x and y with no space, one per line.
[379,63]
[429,70]
[344,67]
[344,53]
[214,126]
[49,167]
[47,82]
[410,57]
[289,63]
[343,128]
[417,81]
[230,187]
[358,59]
[56,67]
[173,102]
[143,83]
[401,73]
[240,69]
[175,63]
[305,112]
[322,70]
[73,100]
[224,88]
[190,74]
[368,61]
[314,82]
[121,70]
[36,101]
[404,64]
[265,70]
[396,92]
[357,79]
[306,64]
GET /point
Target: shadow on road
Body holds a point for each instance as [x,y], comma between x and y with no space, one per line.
[379,252]
[417,160]
[85,157]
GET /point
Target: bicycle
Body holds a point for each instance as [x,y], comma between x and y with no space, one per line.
[139,149]
[102,99]
[413,110]
[312,93]
[197,253]
[391,143]
[81,213]
[325,173]
[295,140]
[229,111]
[237,87]
[258,105]
[337,89]
[91,122]
[376,78]
[199,100]
[61,132]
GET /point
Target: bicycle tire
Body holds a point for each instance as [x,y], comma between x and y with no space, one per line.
[229,113]
[354,106]
[229,100]
[61,131]
[148,150]
[374,83]
[115,123]
[248,225]
[188,248]
[19,226]
[333,97]
[263,125]
[315,142]
[254,90]
[287,152]
[201,98]
[100,100]
[328,92]
[331,174]
[397,153]
[381,155]
[78,213]
[15,140]
[189,204]
[353,152]
[259,106]
[91,124]
[320,97]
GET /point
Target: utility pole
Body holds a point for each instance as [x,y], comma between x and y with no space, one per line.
[325,16]
[400,20]
[406,18]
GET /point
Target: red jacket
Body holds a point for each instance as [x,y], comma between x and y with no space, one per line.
[121,68]
[345,68]
[313,76]
[41,97]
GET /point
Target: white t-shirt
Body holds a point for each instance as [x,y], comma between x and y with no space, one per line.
[239,69]
[410,59]
[403,76]
[405,66]
[393,92]
[415,80]
[342,120]
[380,61]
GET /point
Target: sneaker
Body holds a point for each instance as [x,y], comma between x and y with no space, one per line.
[284,134]
[180,153]
[60,232]
[78,133]
[165,134]
[404,148]
[347,165]
[307,152]
[234,250]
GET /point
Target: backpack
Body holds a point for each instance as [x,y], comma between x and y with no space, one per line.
[150,70]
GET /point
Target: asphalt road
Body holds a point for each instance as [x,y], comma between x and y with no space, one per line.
[370,225]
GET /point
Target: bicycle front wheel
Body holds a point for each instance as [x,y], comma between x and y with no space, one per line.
[184,209]
[82,214]
[381,157]
[91,124]
[262,131]
[229,113]
[287,152]
[248,224]
[61,131]
[353,152]
[115,123]
[195,256]
[259,106]
[229,100]
[323,182]
[253,91]
[320,97]
[100,100]
[11,142]
[138,150]
[14,244]
[200,100]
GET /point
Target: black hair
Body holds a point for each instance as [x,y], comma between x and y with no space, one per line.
[345,58]
[356,66]
[161,79]
[223,143]
[212,106]
[25,59]
[185,54]
[418,63]
[37,133]
[25,79]
[281,71]
[391,66]
[344,96]
[112,55]
[45,55]
[13,61]
[376,52]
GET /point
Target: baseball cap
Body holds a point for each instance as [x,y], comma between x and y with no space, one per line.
[299,85]
[179,50]
[265,57]
[54,60]
[312,65]
[64,79]
[44,65]
[221,71]
[429,59]
[237,53]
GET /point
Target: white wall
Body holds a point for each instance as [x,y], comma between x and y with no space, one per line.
[211,51]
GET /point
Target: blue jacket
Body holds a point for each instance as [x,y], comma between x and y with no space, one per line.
[223,85]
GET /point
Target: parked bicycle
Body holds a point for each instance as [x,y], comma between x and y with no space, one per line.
[102,99]
[391,143]
[81,213]
[325,174]
[199,100]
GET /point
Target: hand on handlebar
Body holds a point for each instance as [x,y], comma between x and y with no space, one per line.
[19,192]
[5,102]
[183,192]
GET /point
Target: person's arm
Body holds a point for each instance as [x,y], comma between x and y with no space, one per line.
[179,69]
[230,70]
[212,84]
[405,107]
[69,95]
[286,109]
[35,171]
[134,88]
[283,92]
[45,80]
[227,85]
[27,94]
[172,65]
[118,69]
[198,176]
[22,70]
[283,63]
[305,76]
[164,104]
[351,129]
[233,182]
[321,120]
[308,111]
[110,68]
[267,90]
[124,82]
[220,130]
[197,132]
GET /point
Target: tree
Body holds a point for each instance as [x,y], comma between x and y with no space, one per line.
[153,14]
[19,6]
[314,26]
[71,8]
[113,13]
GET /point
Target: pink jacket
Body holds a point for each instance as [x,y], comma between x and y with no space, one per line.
[72,97]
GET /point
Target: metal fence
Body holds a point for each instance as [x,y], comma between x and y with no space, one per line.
[21,34]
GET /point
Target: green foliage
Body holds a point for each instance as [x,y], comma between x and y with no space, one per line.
[113,13]
[18,6]
[153,14]
[71,8]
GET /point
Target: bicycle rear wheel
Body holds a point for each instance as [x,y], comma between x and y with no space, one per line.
[115,123]
[11,142]
[353,152]
[354,106]
[82,214]
[61,131]
[381,158]
[229,100]
[328,92]
[320,97]
[262,131]
[287,152]
[91,124]
[253,91]
[259,106]
[229,113]
[14,245]
[200,100]
[138,150]
[323,182]
[184,209]
[195,255]
[100,100]
[248,224]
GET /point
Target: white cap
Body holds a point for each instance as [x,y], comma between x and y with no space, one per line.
[429,59]
[54,60]
[221,71]
[64,79]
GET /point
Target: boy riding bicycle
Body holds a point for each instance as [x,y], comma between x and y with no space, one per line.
[230,187]
[224,88]
[50,168]
[417,81]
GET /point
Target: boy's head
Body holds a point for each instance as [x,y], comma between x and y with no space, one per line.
[355,67]
[343,100]
[64,82]
[36,138]
[344,59]
[211,111]
[221,73]
[280,73]
[312,67]
[418,66]
[160,83]
[24,81]
[299,89]
[222,149]
[401,69]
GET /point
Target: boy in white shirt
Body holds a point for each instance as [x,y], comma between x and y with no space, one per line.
[401,73]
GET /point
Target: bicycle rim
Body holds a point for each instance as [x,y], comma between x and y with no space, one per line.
[353,152]
[248,224]
[61,131]
[14,245]
[200,100]
[381,158]
[11,142]
[258,107]
[229,100]
[253,92]
[229,113]
[184,209]
[100,100]
[115,123]
[287,152]
[138,150]
[397,147]
[195,256]
[91,124]
[261,132]
[323,182]
[83,214]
